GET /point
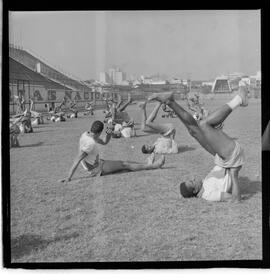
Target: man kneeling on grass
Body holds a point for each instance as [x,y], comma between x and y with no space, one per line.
[221,184]
[89,156]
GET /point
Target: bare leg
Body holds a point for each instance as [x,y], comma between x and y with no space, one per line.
[144,116]
[110,167]
[31,104]
[125,105]
[192,126]
[119,101]
[218,116]
[147,123]
[153,114]
[213,140]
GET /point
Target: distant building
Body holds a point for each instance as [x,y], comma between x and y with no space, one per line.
[221,85]
[206,84]
[158,82]
[118,78]
[104,77]
[255,80]
[111,72]
[175,81]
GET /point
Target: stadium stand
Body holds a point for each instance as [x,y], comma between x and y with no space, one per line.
[30,61]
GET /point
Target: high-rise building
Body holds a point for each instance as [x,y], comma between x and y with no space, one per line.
[104,78]
[111,75]
[116,76]
[118,79]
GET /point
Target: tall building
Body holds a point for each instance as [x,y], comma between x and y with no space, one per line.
[118,79]
[104,78]
[116,76]
[111,75]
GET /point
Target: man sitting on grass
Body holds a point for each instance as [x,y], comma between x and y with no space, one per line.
[164,144]
[14,131]
[24,122]
[89,156]
[221,184]
[89,108]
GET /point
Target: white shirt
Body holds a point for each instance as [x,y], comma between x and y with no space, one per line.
[165,145]
[118,127]
[217,181]
[88,144]
[126,132]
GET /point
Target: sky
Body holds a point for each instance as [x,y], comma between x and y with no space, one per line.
[197,44]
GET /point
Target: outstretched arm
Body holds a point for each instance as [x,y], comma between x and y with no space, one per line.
[235,196]
[76,162]
[235,185]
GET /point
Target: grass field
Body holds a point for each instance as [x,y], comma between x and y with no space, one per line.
[136,216]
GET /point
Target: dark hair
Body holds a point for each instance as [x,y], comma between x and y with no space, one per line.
[97,127]
[186,192]
[145,150]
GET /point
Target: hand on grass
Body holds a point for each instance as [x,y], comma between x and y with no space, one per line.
[64,180]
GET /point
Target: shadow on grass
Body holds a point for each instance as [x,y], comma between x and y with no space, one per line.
[33,145]
[42,131]
[182,149]
[26,243]
[128,171]
[249,188]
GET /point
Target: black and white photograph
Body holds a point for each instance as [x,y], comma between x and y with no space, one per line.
[135,136]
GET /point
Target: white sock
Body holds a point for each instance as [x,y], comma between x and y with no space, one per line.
[235,102]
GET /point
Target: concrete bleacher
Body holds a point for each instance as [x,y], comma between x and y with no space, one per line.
[30,61]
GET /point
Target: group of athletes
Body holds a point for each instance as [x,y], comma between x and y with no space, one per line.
[25,119]
[221,184]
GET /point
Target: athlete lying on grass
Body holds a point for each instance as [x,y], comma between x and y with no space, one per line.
[89,156]
[117,112]
[164,144]
[221,184]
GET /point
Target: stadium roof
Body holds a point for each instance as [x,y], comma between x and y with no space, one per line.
[30,61]
[18,71]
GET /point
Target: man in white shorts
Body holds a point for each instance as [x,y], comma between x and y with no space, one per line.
[164,144]
[221,184]
[89,156]
[126,130]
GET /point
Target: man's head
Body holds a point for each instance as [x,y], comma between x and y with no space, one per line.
[97,128]
[147,149]
[190,189]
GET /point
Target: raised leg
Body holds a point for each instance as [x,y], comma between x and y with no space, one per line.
[192,126]
[218,116]
[153,114]
[213,140]
[144,116]
[122,108]
[147,123]
[119,101]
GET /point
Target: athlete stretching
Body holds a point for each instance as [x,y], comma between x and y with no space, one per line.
[164,144]
[221,184]
[89,156]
